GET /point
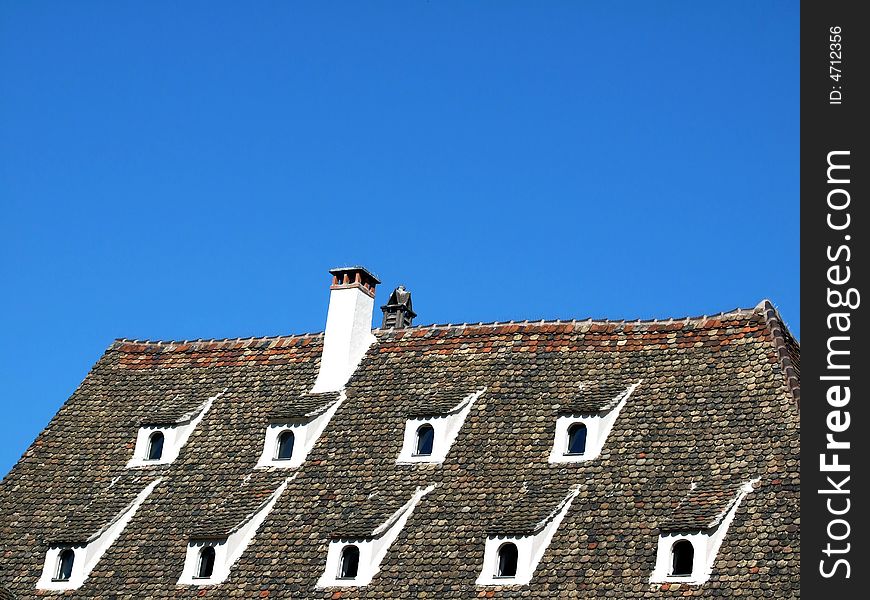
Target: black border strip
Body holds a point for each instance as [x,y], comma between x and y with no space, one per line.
[834,226]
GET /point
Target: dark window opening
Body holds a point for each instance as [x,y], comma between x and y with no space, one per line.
[349,566]
[683,556]
[577,439]
[425,440]
[206,563]
[155,446]
[285,445]
[65,565]
[507,560]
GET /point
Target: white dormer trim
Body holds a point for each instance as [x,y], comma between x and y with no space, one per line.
[371,550]
[530,548]
[175,436]
[705,544]
[87,555]
[445,427]
[306,434]
[598,426]
[228,549]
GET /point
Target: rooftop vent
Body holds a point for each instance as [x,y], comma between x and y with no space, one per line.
[397,311]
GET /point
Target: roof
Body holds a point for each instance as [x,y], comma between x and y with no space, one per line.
[718,396]
[174,410]
[303,407]
[364,518]
[703,507]
[438,400]
[228,512]
[87,512]
[527,510]
[170,402]
[594,397]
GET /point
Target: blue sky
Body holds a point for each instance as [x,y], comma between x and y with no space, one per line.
[185,170]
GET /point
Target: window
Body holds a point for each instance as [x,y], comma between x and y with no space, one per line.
[349,563]
[425,440]
[65,562]
[285,445]
[206,563]
[507,560]
[155,446]
[576,439]
[683,555]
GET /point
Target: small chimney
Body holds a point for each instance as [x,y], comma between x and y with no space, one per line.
[397,311]
[348,326]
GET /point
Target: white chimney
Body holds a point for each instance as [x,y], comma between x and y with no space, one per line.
[348,327]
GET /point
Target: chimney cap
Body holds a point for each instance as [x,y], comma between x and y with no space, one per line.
[341,270]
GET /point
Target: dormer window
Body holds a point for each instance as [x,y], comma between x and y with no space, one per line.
[682,558]
[515,546]
[585,421]
[286,440]
[155,445]
[507,560]
[425,440]
[65,561]
[205,568]
[163,434]
[690,538]
[576,439]
[356,550]
[349,562]
[67,565]
[223,538]
[434,424]
[295,427]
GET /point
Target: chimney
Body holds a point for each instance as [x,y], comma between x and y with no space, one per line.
[348,326]
[397,311]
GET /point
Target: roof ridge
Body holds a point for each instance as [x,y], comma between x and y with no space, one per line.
[247,341]
[589,320]
[238,340]
[779,331]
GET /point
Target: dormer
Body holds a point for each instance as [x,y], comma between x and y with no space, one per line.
[690,538]
[163,434]
[433,425]
[585,421]
[357,548]
[294,428]
[222,537]
[517,539]
[73,554]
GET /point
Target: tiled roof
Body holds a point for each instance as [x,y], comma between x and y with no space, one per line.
[440,400]
[232,510]
[597,396]
[528,509]
[86,512]
[703,507]
[169,402]
[717,397]
[303,407]
[787,348]
[5,594]
[362,519]
[174,410]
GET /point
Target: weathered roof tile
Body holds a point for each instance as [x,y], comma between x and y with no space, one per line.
[716,399]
